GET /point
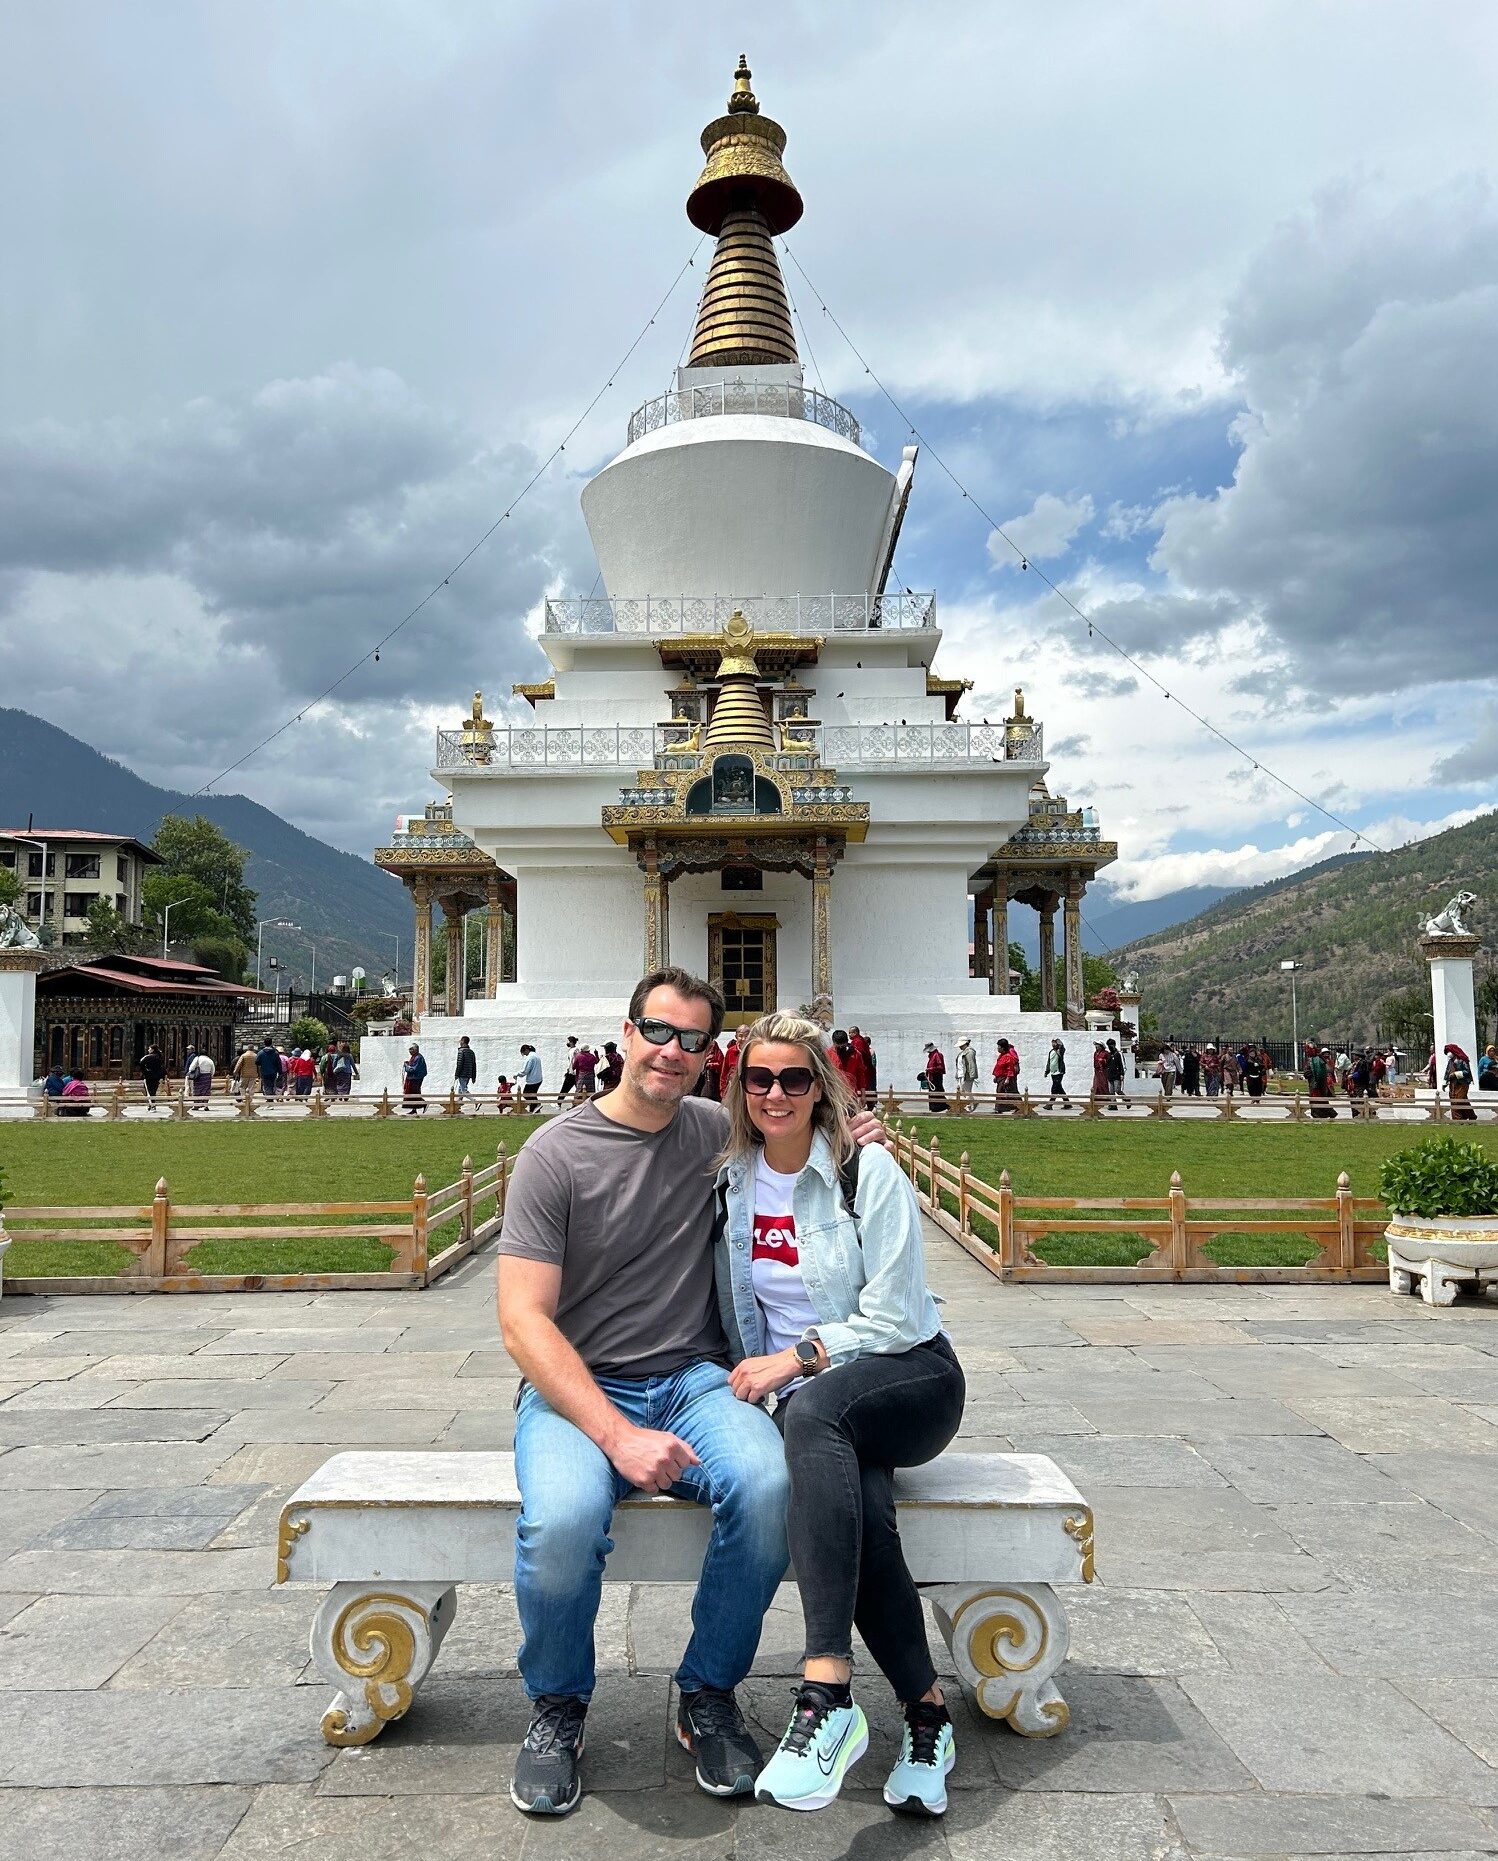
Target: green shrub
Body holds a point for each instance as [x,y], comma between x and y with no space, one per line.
[307,1031]
[1440,1177]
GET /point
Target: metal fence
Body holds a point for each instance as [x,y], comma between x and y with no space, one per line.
[743,397]
[790,613]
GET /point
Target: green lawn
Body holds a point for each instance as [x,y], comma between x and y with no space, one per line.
[57,1163]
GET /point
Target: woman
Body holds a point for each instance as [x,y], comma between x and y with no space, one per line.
[1487,1070]
[1100,1086]
[1005,1075]
[1055,1070]
[822,1288]
[152,1072]
[1212,1071]
[1457,1080]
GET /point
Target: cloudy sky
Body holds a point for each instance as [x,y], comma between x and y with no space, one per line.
[1201,302]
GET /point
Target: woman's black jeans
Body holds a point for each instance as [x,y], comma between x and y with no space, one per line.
[845,1433]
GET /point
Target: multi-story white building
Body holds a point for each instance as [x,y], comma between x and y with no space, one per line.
[744,758]
[62,870]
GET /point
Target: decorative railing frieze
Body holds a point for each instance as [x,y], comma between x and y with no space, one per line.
[743,397]
[794,613]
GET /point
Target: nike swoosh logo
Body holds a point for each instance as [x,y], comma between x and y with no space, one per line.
[825,1763]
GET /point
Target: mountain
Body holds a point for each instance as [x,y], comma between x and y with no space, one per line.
[1352,921]
[1107,925]
[353,910]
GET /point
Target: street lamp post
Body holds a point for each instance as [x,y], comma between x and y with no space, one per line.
[1292,970]
[275,924]
[166,918]
[24,840]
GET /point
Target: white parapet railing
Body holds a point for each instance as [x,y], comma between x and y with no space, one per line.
[743,397]
[528,748]
[793,613]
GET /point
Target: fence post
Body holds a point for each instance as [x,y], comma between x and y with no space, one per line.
[450,1106]
[247,1103]
[1298,1107]
[891,1109]
[317,1106]
[1180,1254]
[933,1181]
[1347,1239]
[465,1182]
[963,1210]
[117,1102]
[915,1175]
[384,1108]
[161,1223]
[179,1103]
[1006,1225]
[502,1183]
[419,1227]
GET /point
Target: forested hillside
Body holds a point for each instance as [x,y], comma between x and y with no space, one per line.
[1352,921]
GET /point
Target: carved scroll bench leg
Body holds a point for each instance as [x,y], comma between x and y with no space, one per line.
[1401,1274]
[1007,1640]
[375,1643]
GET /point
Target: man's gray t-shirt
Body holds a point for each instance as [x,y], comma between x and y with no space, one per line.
[628,1217]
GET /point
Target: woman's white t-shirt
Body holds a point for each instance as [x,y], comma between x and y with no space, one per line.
[776,1262]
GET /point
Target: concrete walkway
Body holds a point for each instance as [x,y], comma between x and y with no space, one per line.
[1292,1649]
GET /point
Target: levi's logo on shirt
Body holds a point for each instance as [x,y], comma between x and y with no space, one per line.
[775,1239]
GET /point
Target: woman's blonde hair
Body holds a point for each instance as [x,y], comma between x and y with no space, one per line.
[832,1111]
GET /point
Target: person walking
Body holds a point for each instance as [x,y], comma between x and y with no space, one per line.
[611,1069]
[1457,1079]
[1319,1082]
[1191,1073]
[1115,1073]
[413,1074]
[152,1072]
[1230,1079]
[848,1064]
[1099,1070]
[863,1046]
[529,1078]
[200,1077]
[465,1067]
[1211,1071]
[302,1069]
[1005,1075]
[244,1074]
[967,1068]
[822,1288]
[345,1072]
[569,1071]
[1167,1068]
[1055,1071]
[935,1077]
[268,1067]
[585,1068]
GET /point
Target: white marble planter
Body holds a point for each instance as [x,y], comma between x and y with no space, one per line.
[1442,1253]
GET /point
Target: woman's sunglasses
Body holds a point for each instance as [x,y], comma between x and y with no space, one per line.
[662,1033]
[795,1081]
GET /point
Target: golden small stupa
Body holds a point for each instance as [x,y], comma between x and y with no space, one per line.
[739,721]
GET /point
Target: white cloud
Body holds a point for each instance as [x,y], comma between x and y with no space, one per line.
[1043,532]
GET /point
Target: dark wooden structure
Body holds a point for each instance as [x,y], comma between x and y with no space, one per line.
[101,1015]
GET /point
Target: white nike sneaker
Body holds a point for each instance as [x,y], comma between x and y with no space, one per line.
[917,1785]
[822,1743]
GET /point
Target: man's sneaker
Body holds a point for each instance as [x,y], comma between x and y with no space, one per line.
[917,1785]
[710,1726]
[822,1743]
[546,1782]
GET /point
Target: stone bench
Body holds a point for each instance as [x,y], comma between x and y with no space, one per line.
[985,1535]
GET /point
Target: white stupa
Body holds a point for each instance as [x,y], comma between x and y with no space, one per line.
[744,760]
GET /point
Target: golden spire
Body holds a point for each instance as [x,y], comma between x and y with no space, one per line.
[739,720]
[745,197]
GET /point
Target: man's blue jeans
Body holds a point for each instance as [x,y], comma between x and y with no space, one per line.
[568,1491]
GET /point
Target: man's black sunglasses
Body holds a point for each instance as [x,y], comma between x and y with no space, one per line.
[662,1033]
[795,1081]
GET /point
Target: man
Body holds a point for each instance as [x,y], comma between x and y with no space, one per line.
[611,1068]
[245,1072]
[585,1065]
[569,1070]
[268,1066]
[529,1077]
[1115,1071]
[845,1058]
[1055,1071]
[465,1067]
[864,1048]
[935,1077]
[607,1304]
[967,1068]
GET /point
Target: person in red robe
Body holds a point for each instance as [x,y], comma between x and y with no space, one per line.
[845,1058]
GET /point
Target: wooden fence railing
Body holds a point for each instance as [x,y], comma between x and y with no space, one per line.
[162,1234]
[1000,1229]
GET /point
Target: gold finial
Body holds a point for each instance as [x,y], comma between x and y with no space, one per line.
[743,98]
[477,740]
[1019,706]
[738,649]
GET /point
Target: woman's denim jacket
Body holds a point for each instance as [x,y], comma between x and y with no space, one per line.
[866,1279]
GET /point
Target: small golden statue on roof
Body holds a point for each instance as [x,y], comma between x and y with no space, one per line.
[477,741]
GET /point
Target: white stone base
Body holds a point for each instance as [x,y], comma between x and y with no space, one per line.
[900,1030]
[18,1016]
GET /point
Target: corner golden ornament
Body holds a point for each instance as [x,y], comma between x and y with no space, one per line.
[1081,1530]
[290,1530]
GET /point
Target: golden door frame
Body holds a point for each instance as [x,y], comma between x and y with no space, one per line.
[720,921]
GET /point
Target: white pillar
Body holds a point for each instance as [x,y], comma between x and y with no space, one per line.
[1452,999]
[18,970]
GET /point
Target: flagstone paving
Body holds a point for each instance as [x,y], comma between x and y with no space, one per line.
[1291,1650]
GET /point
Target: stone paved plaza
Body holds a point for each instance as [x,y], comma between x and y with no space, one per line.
[1292,1648]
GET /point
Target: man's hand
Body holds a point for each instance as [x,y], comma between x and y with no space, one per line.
[650,1459]
[868,1128]
[754,1378]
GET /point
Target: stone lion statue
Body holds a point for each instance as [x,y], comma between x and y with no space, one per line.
[1448,921]
[15,932]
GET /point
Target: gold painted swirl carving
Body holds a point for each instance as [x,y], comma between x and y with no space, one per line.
[1081,1530]
[374,1642]
[998,1637]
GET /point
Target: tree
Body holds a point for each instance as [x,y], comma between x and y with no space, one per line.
[225,954]
[307,1031]
[196,849]
[194,910]
[475,961]
[108,934]
[10,887]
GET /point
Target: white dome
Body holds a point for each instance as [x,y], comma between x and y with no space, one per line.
[740,504]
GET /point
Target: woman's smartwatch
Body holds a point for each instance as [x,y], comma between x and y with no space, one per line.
[809,1355]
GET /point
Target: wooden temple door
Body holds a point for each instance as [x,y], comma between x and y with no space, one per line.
[741,960]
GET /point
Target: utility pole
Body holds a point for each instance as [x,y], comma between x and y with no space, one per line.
[1292,970]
